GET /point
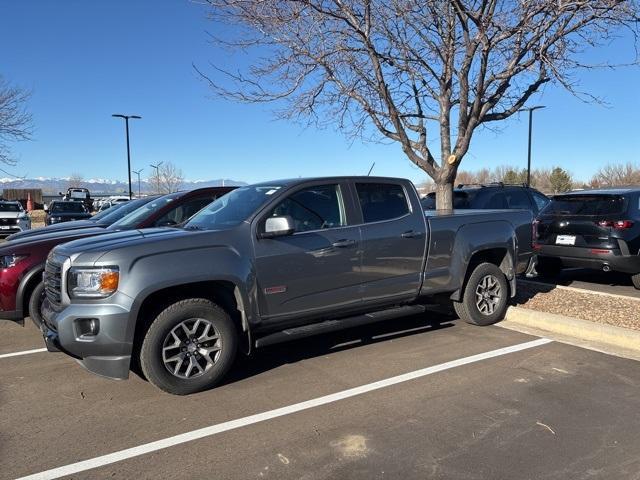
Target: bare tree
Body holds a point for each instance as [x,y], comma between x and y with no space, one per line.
[418,72]
[613,175]
[76,180]
[168,178]
[15,121]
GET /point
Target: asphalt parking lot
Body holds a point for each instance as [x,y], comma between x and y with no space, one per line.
[537,410]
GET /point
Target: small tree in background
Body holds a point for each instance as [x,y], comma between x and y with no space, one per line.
[76,180]
[560,180]
[615,175]
[15,120]
[168,178]
[423,73]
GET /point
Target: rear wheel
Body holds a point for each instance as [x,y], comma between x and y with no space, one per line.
[35,304]
[484,299]
[189,347]
[636,280]
[548,267]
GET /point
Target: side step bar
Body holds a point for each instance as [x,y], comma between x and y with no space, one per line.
[335,325]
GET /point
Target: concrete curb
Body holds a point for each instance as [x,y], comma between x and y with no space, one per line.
[581,330]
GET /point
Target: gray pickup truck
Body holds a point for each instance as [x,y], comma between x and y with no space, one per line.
[269,263]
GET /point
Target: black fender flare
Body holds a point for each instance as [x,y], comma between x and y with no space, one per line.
[22,286]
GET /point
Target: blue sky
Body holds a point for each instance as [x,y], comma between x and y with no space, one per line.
[85,60]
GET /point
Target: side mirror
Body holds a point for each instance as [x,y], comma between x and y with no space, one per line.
[278,227]
[46,208]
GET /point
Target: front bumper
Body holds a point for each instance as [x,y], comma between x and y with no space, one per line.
[107,352]
[579,257]
[17,228]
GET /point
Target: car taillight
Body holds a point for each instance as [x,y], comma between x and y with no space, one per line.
[617,224]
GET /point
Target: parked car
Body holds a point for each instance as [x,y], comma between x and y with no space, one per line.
[492,196]
[60,211]
[101,219]
[111,201]
[273,262]
[598,229]
[13,218]
[22,261]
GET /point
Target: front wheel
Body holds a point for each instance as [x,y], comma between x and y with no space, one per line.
[636,280]
[35,304]
[189,347]
[484,299]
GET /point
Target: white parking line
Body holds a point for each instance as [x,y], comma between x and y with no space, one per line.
[271,414]
[24,352]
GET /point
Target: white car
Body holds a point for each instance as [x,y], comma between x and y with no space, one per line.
[13,218]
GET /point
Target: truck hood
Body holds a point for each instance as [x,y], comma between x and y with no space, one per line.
[29,244]
[148,241]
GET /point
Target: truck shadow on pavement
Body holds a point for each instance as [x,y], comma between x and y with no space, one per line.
[268,358]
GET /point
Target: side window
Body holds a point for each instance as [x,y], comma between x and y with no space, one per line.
[184,211]
[313,208]
[382,201]
[497,201]
[517,198]
[540,200]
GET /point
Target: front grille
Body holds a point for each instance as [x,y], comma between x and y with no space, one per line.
[8,221]
[53,280]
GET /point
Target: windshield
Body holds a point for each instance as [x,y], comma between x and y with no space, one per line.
[67,207]
[233,208]
[10,207]
[460,200]
[121,210]
[586,205]
[143,213]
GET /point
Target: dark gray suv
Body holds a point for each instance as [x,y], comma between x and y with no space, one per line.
[492,196]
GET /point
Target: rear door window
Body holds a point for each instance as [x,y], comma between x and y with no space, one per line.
[382,201]
[517,199]
[586,205]
[497,201]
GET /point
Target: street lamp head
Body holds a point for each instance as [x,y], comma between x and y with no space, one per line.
[135,116]
[118,115]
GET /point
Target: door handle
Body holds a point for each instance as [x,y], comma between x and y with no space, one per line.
[343,243]
[411,234]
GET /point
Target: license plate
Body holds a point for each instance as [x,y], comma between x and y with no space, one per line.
[4,227]
[565,240]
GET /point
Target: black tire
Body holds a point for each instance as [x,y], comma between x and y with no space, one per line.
[548,267]
[35,304]
[170,320]
[468,309]
[635,279]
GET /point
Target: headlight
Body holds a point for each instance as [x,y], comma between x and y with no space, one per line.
[8,261]
[55,219]
[97,282]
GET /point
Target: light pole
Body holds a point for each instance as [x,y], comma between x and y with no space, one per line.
[157,167]
[530,110]
[126,122]
[138,172]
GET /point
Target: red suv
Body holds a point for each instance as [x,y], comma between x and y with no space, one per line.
[22,261]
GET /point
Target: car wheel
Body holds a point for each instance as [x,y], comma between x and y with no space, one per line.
[548,267]
[636,280]
[189,347]
[485,296]
[35,304]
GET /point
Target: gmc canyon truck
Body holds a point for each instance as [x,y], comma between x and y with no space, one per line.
[269,263]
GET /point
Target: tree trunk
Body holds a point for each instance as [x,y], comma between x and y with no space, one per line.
[444,196]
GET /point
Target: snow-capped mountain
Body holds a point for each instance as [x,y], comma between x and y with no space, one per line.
[103,185]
